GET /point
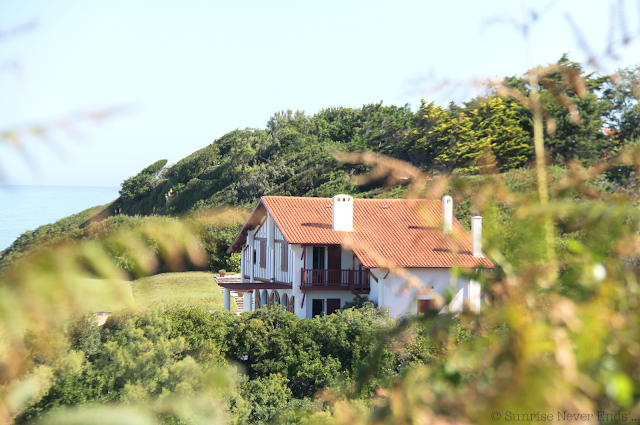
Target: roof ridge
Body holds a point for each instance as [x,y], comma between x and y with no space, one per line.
[355,199]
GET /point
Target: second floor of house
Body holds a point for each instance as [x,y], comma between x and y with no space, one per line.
[268,257]
[329,242]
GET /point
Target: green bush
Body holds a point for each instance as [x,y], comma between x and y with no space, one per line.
[359,302]
[266,396]
[143,182]
[233,263]
[168,351]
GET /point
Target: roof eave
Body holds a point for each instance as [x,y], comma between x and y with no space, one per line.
[241,237]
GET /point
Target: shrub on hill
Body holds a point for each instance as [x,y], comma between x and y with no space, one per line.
[143,182]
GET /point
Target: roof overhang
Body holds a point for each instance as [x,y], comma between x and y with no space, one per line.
[254,220]
[254,286]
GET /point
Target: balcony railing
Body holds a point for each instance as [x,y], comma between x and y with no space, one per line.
[355,280]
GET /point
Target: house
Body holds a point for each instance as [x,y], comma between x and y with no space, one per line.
[295,254]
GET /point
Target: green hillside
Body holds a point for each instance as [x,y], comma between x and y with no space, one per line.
[294,155]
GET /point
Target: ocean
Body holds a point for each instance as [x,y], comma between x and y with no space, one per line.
[25,208]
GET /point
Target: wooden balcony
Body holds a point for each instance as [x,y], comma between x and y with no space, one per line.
[356,281]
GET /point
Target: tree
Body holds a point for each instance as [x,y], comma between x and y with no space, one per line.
[623,92]
[432,139]
[572,109]
[444,141]
[491,129]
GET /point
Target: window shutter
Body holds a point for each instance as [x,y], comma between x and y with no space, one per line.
[284,256]
[263,254]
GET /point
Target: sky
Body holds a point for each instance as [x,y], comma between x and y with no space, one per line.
[175,76]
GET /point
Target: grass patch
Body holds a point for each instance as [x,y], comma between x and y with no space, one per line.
[197,288]
[103,294]
[192,287]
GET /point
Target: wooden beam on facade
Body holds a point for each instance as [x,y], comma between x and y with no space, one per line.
[256,286]
[372,275]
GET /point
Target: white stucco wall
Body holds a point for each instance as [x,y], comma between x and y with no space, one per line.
[401,299]
[374,294]
[347,259]
[296,266]
[343,296]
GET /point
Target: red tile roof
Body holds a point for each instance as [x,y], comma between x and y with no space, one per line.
[405,231]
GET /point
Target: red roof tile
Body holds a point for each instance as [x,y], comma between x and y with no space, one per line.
[405,231]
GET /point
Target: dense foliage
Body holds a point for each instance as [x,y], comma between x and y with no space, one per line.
[143,182]
[281,361]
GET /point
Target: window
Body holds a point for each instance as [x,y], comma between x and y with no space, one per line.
[263,254]
[425,306]
[318,258]
[317,276]
[317,308]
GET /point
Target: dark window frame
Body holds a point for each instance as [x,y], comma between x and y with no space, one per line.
[426,305]
[314,302]
[315,257]
[263,254]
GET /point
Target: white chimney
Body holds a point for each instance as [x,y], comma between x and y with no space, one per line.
[447,214]
[342,213]
[476,236]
